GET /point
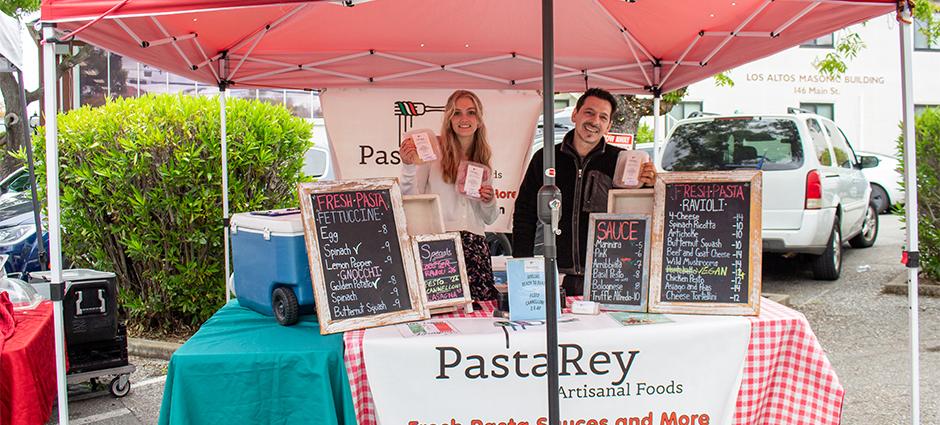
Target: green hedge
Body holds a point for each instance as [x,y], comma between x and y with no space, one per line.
[141,193]
[928,190]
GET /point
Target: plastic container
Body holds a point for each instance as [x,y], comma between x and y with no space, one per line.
[21,294]
[629,167]
[271,270]
[426,144]
[90,304]
[471,176]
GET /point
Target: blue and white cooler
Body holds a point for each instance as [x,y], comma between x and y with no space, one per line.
[271,271]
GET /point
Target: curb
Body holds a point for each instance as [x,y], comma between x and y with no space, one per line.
[898,286]
[152,349]
[778,298]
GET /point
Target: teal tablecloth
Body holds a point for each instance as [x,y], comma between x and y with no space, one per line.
[244,368]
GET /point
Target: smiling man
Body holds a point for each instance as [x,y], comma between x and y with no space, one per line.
[584,170]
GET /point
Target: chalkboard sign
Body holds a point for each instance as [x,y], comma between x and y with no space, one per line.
[617,256]
[360,256]
[442,270]
[706,246]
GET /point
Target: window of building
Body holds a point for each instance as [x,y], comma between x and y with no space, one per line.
[920,40]
[819,142]
[683,109]
[919,109]
[825,109]
[825,42]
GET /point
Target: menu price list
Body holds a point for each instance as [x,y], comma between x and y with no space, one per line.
[617,261]
[360,253]
[440,270]
[706,234]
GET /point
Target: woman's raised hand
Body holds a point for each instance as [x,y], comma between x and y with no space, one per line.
[408,151]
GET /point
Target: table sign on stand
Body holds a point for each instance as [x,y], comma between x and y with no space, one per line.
[706,245]
[442,270]
[617,273]
[361,261]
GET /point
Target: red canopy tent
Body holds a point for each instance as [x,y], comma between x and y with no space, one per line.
[627,47]
[633,46]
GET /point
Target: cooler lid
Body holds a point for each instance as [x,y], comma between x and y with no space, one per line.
[286,221]
[74,275]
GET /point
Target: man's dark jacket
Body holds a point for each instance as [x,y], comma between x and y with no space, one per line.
[583,182]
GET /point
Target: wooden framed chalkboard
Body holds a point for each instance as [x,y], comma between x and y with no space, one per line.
[617,273]
[706,244]
[442,270]
[361,261]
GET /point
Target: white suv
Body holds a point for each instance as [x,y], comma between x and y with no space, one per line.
[815,196]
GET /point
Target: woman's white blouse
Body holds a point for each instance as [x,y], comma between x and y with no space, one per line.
[460,212]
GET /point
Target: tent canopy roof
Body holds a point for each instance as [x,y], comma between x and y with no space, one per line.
[626,47]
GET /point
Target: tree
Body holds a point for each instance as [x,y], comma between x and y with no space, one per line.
[630,108]
[12,140]
[835,63]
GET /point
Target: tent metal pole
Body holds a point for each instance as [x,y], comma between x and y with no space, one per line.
[549,206]
[911,256]
[225,216]
[657,125]
[56,287]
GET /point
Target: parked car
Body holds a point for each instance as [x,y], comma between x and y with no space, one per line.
[885,179]
[562,123]
[815,196]
[17,225]
[318,161]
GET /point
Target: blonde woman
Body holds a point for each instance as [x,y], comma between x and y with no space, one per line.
[462,137]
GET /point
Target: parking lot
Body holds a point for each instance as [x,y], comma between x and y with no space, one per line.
[864,332]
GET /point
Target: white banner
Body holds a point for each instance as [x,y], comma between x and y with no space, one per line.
[686,371]
[365,127]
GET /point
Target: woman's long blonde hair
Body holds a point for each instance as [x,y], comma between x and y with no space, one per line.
[450,146]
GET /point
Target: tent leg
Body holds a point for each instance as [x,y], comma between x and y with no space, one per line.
[549,205]
[910,186]
[225,217]
[56,288]
[657,125]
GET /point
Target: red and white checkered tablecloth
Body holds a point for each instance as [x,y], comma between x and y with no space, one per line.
[787,378]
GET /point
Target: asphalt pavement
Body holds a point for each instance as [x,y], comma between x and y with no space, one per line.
[864,332]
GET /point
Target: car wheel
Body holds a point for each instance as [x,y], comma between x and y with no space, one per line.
[879,197]
[828,265]
[869,233]
[498,244]
[285,306]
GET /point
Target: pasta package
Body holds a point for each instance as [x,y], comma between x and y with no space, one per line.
[629,166]
[425,143]
[471,176]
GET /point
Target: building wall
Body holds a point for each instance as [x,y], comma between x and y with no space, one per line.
[867,99]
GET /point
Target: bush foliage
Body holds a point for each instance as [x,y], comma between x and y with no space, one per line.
[928,190]
[141,193]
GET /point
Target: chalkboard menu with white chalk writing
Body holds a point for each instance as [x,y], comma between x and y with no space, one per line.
[707,245]
[360,257]
[617,257]
[441,267]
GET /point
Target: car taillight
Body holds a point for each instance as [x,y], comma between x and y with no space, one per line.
[813,190]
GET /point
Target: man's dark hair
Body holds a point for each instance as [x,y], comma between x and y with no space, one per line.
[600,94]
